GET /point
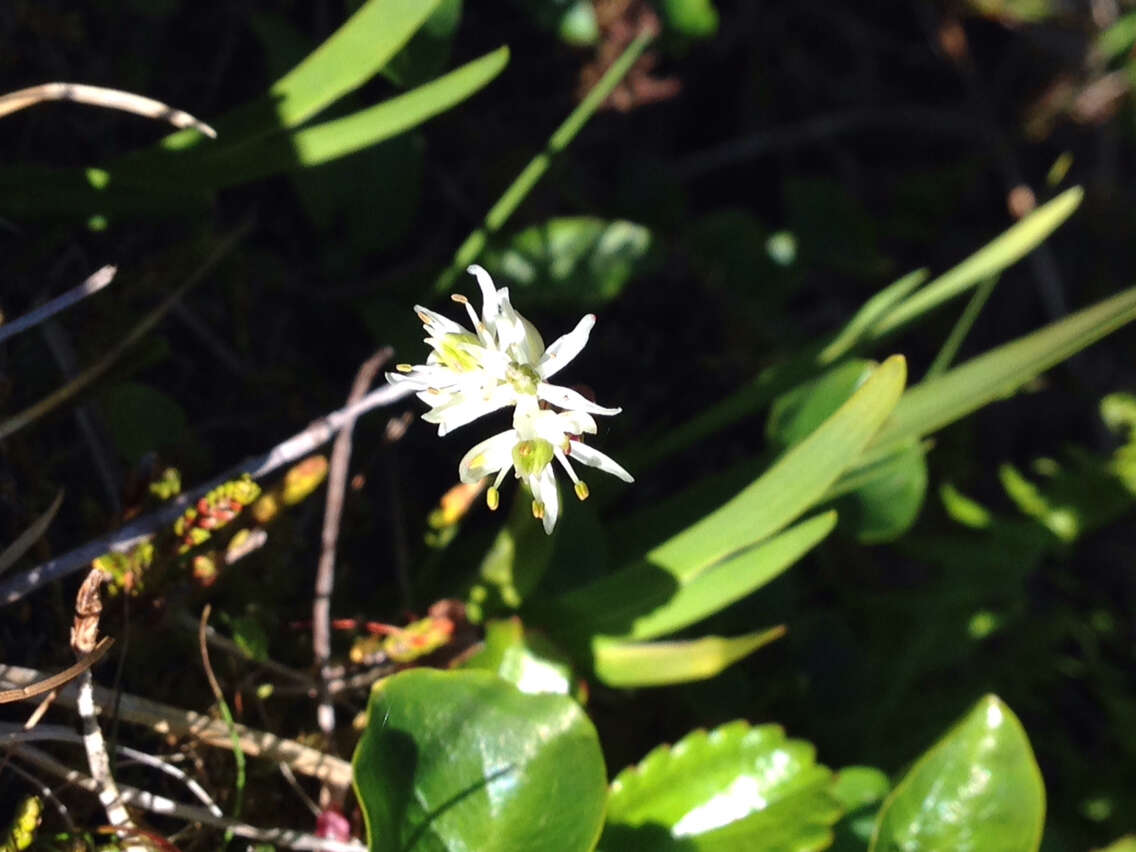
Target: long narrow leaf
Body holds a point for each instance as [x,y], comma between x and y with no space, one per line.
[342,136]
[519,189]
[794,483]
[633,664]
[641,602]
[933,404]
[1003,251]
[350,57]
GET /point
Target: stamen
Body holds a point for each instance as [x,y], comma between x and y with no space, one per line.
[425,319]
[492,498]
[538,510]
[459,298]
[582,490]
[404,368]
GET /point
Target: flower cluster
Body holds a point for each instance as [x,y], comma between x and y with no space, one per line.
[503,362]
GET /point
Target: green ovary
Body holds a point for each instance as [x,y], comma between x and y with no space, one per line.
[523,378]
[454,351]
[530,457]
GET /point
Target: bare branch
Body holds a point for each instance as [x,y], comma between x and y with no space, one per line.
[165,719]
[81,93]
[95,281]
[285,453]
[162,805]
[325,572]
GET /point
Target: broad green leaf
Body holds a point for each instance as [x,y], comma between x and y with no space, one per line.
[1005,250]
[642,602]
[574,21]
[886,505]
[736,787]
[1124,844]
[977,788]
[579,261]
[514,563]
[860,790]
[795,414]
[350,57]
[794,483]
[930,405]
[634,664]
[141,419]
[857,786]
[463,760]
[427,53]
[324,142]
[692,18]
[527,660]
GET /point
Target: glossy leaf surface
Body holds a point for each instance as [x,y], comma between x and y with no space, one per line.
[463,760]
[978,789]
[737,787]
[634,664]
[574,262]
[526,660]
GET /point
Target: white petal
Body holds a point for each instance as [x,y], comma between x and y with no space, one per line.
[565,348]
[466,407]
[490,456]
[576,423]
[439,323]
[568,399]
[587,455]
[490,307]
[549,496]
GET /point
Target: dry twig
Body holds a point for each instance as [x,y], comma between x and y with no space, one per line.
[325,573]
[285,453]
[168,807]
[81,93]
[95,282]
[165,719]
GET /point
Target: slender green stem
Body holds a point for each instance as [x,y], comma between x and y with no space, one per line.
[962,328]
[223,708]
[511,199]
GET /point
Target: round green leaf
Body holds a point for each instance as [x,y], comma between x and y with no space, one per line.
[464,760]
[978,788]
[527,660]
[572,262]
[141,418]
[737,787]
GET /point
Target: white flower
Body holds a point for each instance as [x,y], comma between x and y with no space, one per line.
[538,436]
[502,362]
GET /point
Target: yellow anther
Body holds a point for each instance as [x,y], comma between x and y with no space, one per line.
[492,498]
[538,510]
[459,298]
[404,368]
[582,490]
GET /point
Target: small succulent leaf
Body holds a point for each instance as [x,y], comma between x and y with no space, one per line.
[979,787]
[464,760]
[736,787]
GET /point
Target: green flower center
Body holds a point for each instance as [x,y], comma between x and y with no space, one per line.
[455,352]
[531,457]
[523,378]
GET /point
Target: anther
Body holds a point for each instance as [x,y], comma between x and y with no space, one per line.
[582,490]
[404,368]
[492,499]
